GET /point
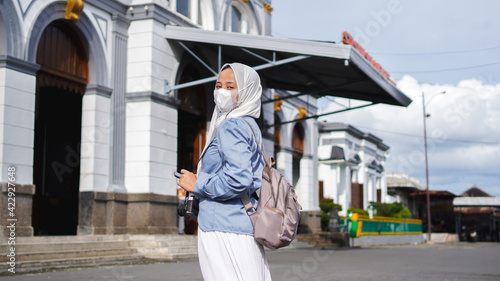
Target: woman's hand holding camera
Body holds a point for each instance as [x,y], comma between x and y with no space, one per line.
[187,180]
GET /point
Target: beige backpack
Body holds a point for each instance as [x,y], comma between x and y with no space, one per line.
[276,217]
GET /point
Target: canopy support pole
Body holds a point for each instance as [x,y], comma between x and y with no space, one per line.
[197,58]
[270,64]
[312,93]
[319,115]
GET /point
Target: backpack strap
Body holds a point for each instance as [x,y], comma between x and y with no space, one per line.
[262,150]
[245,199]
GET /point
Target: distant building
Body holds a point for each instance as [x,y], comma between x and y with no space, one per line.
[351,166]
[477,211]
[442,219]
[399,188]
[474,192]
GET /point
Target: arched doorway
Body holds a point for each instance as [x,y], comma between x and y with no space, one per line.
[191,120]
[298,151]
[61,83]
[191,124]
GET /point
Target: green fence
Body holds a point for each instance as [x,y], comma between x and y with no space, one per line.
[385,226]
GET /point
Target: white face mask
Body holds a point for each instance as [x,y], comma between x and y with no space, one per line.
[225,100]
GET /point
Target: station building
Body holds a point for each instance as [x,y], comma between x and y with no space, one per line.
[351,166]
[100,100]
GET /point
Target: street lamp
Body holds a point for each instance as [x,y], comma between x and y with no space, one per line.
[427,167]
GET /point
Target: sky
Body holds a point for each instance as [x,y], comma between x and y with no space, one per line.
[428,47]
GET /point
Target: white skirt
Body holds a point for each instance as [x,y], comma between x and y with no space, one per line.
[232,257]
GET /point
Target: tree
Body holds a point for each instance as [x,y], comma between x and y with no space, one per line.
[326,205]
[393,210]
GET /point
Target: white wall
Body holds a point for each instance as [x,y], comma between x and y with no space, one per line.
[151,129]
[95,146]
[151,148]
[17,123]
[150,60]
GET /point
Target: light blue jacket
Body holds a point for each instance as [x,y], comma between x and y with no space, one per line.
[231,167]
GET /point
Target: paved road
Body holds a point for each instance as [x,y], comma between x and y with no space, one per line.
[443,262]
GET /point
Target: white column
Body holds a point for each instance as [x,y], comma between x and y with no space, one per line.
[369,188]
[340,182]
[345,189]
[151,127]
[95,147]
[307,195]
[327,173]
[383,186]
[151,61]
[284,164]
[312,124]
[17,123]
[151,148]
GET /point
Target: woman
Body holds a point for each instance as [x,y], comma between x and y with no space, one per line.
[231,166]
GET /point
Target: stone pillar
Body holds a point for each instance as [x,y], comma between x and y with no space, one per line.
[152,213]
[133,213]
[310,222]
[17,123]
[151,129]
[103,213]
[20,216]
[102,210]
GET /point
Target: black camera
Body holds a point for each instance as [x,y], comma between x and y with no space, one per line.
[190,207]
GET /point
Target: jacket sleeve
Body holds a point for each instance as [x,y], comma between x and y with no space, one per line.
[236,176]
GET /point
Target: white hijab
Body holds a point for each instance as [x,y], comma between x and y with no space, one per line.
[250,92]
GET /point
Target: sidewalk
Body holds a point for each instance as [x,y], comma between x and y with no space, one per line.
[440,261]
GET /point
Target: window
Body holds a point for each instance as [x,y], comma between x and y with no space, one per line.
[183,7]
[235,19]
[239,17]
[200,12]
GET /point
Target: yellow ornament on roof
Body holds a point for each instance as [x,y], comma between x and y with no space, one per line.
[302,112]
[268,8]
[73,10]
[278,103]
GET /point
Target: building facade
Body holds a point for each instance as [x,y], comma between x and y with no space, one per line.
[102,99]
[87,126]
[399,189]
[351,166]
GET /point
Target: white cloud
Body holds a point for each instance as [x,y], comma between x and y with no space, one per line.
[463,133]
